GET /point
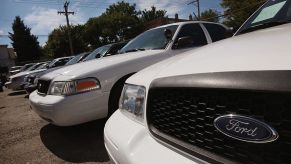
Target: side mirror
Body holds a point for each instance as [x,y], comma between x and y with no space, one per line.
[229,32]
[98,56]
[168,34]
[184,42]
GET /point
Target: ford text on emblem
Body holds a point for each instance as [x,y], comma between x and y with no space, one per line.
[245,129]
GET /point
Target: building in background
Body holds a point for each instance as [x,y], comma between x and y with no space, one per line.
[7,56]
[7,60]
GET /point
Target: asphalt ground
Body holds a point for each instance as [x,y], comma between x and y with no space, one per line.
[26,138]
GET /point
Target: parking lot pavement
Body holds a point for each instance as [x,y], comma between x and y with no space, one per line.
[25,138]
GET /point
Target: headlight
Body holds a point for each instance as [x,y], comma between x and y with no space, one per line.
[132,101]
[74,87]
[35,80]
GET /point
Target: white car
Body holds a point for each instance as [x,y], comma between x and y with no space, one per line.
[91,90]
[15,81]
[228,102]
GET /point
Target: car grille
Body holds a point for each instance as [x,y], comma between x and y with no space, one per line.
[30,80]
[43,86]
[184,117]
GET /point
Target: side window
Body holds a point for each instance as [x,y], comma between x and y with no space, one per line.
[194,35]
[216,32]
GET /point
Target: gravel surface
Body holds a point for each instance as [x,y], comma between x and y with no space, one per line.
[26,138]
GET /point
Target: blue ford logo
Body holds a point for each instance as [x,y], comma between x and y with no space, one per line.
[245,129]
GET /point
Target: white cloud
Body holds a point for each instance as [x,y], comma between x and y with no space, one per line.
[172,7]
[1,32]
[44,20]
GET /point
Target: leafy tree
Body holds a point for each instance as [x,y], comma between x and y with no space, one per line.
[24,43]
[92,32]
[58,43]
[210,15]
[148,15]
[119,22]
[237,12]
[122,7]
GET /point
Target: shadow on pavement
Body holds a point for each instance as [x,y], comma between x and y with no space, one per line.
[82,143]
[16,93]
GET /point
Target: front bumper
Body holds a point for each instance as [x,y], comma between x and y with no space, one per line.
[129,142]
[13,85]
[70,110]
[30,88]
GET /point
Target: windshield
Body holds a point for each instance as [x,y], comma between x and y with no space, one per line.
[52,63]
[97,53]
[42,66]
[272,13]
[26,66]
[151,39]
[58,62]
[75,59]
[33,67]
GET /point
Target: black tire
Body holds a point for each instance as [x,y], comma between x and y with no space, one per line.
[115,94]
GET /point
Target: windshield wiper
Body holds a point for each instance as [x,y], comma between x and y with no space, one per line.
[136,49]
[263,26]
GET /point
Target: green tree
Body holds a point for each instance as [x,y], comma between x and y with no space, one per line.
[210,15]
[237,12]
[119,22]
[58,43]
[148,15]
[24,43]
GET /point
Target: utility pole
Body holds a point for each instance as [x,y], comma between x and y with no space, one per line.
[197,4]
[67,13]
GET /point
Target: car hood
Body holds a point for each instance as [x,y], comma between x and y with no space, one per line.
[26,73]
[93,66]
[266,49]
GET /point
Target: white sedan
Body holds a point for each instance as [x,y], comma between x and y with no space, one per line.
[228,102]
[90,90]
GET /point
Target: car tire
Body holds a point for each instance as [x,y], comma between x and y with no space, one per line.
[115,95]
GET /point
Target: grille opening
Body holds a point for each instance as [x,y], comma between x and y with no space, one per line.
[43,86]
[183,118]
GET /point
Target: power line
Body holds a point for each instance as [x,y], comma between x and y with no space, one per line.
[67,13]
[196,3]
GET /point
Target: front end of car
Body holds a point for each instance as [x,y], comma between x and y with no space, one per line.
[66,101]
[30,83]
[15,82]
[126,133]
[216,106]
[223,117]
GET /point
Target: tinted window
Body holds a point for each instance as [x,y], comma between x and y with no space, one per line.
[195,32]
[216,32]
[97,53]
[76,59]
[58,62]
[151,39]
[33,67]
[115,48]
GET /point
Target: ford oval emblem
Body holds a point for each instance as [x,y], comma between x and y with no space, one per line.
[245,129]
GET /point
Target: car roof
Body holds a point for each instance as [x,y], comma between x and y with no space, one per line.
[186,22]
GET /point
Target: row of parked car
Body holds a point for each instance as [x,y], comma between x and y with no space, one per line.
[226,102]
[26,77]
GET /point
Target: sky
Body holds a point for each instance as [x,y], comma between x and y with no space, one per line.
[41,15]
